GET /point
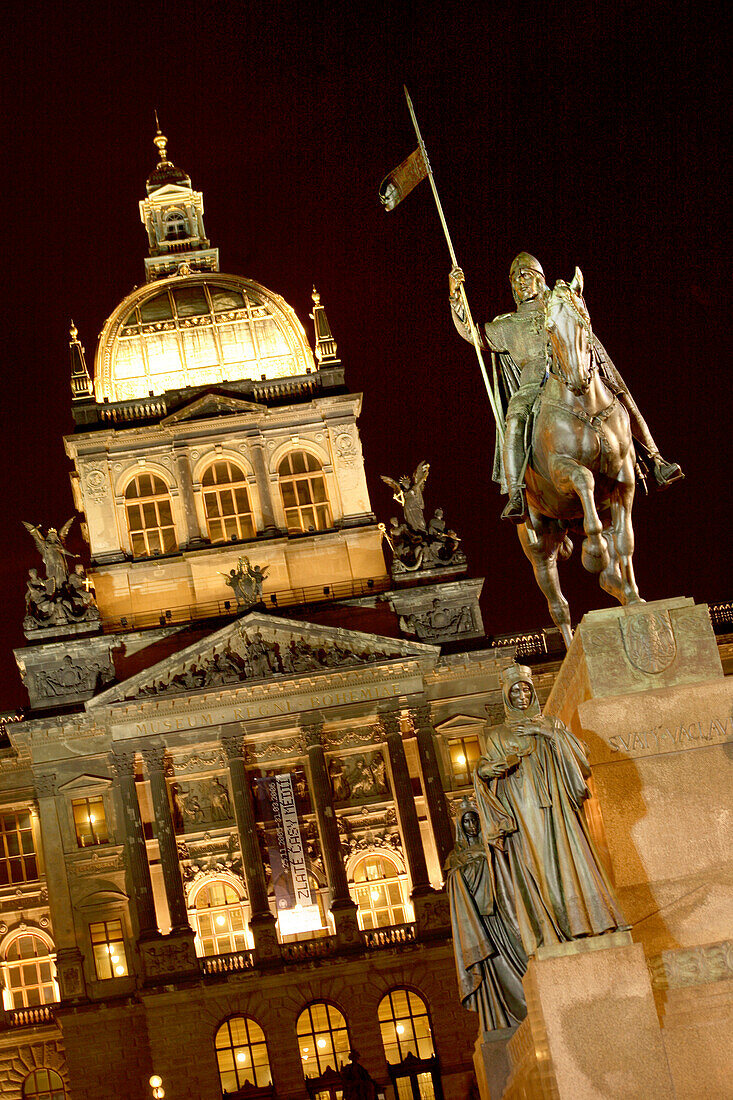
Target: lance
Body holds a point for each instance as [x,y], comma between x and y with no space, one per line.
[498,416]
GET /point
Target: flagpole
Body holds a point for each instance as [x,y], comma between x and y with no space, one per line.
[498,417]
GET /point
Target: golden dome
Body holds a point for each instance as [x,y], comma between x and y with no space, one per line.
[195,330]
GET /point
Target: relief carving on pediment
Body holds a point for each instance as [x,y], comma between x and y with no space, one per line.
[250,656]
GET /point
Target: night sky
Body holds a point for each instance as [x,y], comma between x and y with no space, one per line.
[586,134]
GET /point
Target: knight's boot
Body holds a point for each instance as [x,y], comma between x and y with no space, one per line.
[665,473]
[516,508]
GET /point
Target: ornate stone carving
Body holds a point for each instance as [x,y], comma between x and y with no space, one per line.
[439,622]
[70,678]
[649,641]
[122,762]
[45,785]
[339,739]
[246,657]
[358,777]
[417,545]
[711,962]
[200,803]
[246,582]
[200,761]
[61,597]
[96,483]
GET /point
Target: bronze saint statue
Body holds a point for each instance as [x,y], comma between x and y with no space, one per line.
[563,393]
[530,788]
[490,960]
[519,339]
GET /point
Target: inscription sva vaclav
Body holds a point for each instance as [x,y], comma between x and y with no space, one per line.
[270,708]
[709,731]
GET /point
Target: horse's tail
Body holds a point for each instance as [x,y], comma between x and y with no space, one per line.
[566,548]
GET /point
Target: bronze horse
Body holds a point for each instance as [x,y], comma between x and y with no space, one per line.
[582,465]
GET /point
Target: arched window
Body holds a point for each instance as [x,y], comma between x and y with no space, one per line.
[241,1051]
[226,503]
[303,489]
[405,1026]
[323,1038]
[149,516]
[175,226]
[407,1038]
[379,893]
[30,973]
[44,1084]
[220,920]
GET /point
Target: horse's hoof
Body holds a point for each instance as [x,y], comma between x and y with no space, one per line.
[595,556]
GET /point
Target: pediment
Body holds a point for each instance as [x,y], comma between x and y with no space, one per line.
[460,722]
[171,191]
[213,404]
[84,782]
[258,647]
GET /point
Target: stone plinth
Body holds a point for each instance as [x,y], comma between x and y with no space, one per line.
[591,1029]
[644,688]
[491,1062]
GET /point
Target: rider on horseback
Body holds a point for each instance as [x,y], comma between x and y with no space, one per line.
[519,339]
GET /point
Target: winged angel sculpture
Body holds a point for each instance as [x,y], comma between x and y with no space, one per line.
[415,543]
[61,596]
[53,554]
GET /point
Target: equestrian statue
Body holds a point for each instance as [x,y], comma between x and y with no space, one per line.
[565,450]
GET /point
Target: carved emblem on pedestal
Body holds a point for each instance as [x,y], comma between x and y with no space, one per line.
[648,640]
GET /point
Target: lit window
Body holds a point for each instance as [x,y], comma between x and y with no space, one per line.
[30,973]
[108,948]
[323,1038]
[378,893]
[175,226]
[241,1051]
[303,489]
[149,516]
[220,920]
[17,851]
[464,756]
[44,1084]
[226,503]
[90,821]
[405,1026]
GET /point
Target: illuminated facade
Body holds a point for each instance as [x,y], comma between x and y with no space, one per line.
[224,819]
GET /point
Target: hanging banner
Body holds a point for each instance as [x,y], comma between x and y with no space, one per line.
[284,842]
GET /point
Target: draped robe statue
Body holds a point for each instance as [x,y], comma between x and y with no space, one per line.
[489,958]
[530,788]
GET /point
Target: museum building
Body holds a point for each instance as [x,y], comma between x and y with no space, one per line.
[225,814]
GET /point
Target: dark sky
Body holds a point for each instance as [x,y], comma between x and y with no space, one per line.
[588,134]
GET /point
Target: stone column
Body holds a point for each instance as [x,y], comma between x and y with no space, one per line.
[405,802]
[141,887]
[434,794]
[262,921]
[195,536]
[257,451]
[69,958]
[343,907]
[166,837]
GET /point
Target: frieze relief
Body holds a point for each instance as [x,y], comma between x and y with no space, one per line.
[276,750]
[358,777]
[345,738]
[370,831]
[215,760]
[96,864]
[201,802]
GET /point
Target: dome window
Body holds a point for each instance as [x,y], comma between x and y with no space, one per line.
[226,503]
[149,516]
[303,489]
[175,226]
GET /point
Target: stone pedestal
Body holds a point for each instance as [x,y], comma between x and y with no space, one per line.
[491,1062]
[643,686]
[591,1029]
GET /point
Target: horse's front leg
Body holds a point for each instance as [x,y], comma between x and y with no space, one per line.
[618,578]
[568,475]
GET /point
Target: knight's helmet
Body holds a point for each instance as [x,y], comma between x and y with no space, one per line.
[516,674]
[528,262]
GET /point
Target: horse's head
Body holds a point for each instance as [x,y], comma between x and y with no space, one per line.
[569,330]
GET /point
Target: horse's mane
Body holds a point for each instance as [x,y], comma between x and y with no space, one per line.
[576,302]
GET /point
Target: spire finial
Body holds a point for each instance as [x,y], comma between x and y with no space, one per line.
[74,334]
[81,383]
[325,343]
[161,141]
